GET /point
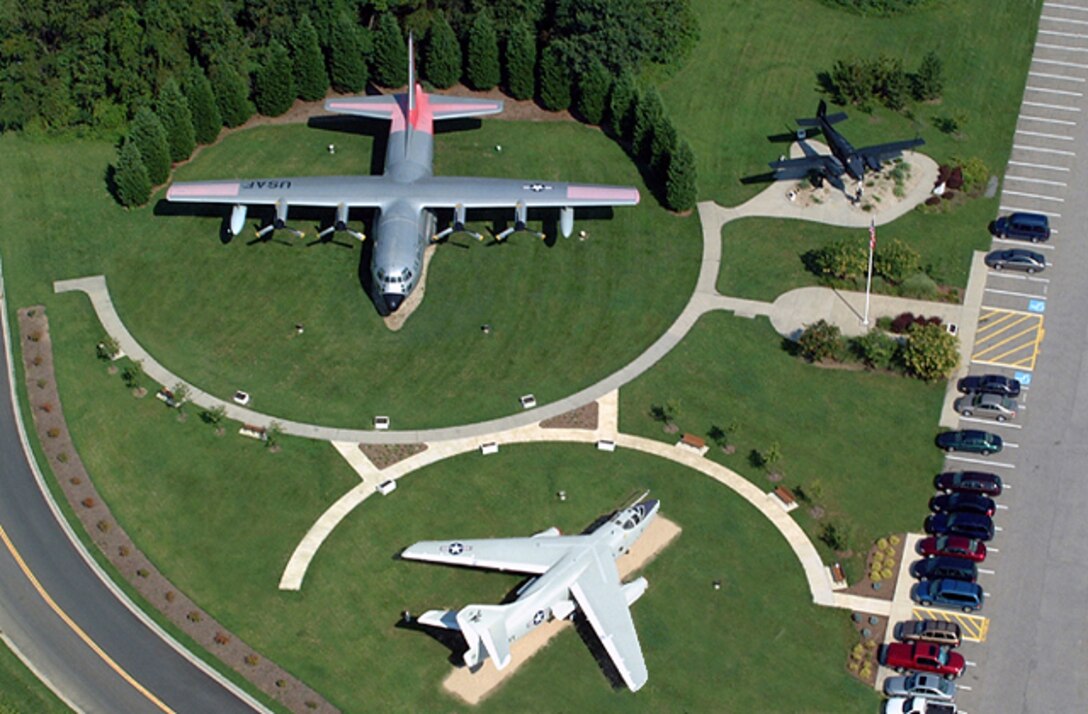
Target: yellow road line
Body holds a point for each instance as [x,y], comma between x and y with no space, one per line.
[76,628]
[992,335]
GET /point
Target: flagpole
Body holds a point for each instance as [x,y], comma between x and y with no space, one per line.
[869,277]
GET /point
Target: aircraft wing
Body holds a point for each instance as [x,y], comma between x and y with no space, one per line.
[801,167]
[599,594]
[520,555]
[362,191]
[874,155]
[451,191]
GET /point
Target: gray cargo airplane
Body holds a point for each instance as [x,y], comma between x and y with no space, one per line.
[407,193]
[844,158]
[570,572]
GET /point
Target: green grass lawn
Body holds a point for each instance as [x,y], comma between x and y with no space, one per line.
[755,68]
[21,692]
[565,314]
[863,442]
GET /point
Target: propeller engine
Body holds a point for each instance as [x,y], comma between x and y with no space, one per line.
[521,216]
[458,225]
[341,225]
[280,222]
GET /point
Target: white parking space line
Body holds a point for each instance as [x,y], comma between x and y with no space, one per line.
[991,422]
[1059,63]
[1061,47]
[995,550]
[1054,18]
[1044,150]
[986,462]
[1014,276]
[1048,182]
[1063,77]
[1029,296]
[1044,135]
[1045,120]
[1048,90]
[1004,207]
[1037,196]
[968,662]
[986,572]
[998,528]
[1059,33]
[1002,507]
[1034,246]
[1065,7]
[1048,167]
[1043,105]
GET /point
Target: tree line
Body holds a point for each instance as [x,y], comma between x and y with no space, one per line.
[160,77]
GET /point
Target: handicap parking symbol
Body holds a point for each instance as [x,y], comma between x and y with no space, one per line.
[1037,305]
[1024,378]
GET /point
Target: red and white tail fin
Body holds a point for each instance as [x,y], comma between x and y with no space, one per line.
[411,78]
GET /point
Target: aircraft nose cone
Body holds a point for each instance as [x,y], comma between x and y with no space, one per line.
[392,300]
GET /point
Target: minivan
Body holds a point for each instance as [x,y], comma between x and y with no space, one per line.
[953,593]
[1026,226]
[945,567]
[941,632]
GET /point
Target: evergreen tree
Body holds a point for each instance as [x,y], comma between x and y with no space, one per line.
[231,95]
[521,61]
[648,115]
[311,82]
[621,99]
[390,52]
[347,68]
[662,144]
[131,181]
[207,121]
[680,180]
[149,137]
[593,84]
[482,55]
[274,84]
[927,82]
[442,60]
[554,79]
[177,119]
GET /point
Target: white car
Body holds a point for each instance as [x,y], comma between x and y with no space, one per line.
[917,705]
[921,684]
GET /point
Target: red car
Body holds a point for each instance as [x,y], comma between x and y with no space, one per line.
[923,657]
[954,547]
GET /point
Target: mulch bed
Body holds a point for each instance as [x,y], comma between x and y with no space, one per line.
[886,591]
[584,417]
[385,455]
[114,542]
[870,630]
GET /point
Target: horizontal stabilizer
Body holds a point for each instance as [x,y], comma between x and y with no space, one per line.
[444,619]
[484,628]
[445,107]
[383,106]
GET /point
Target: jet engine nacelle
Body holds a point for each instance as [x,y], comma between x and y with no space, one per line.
[566,221]
[237,220]
[547,533]
[563,609]
[633,590]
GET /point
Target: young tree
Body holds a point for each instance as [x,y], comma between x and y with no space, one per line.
[173,111]
[554,80]
[895,260]
[347,67]
[390,52]
[274,84]
[648,114]
[842,259]
[521,61]
[621,99]
[130,178]
[442,59]
[927,82]
[593,82]
[311,82]
[231,94]
[149,137]
[931,352]
[819,341]
[680,179]
[662,144]
[482,53]
[207,121]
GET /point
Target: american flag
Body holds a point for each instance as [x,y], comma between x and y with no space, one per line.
[872,234]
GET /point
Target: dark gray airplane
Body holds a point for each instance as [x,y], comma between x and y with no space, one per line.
[407,193]
[844,158]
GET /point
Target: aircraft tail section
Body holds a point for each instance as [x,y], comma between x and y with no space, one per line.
[822,115]
[484,629]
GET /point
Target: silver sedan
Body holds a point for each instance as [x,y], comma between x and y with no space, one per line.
[993,406]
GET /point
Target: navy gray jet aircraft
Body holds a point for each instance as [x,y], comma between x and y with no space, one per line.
[407,193]
[844,158]
[570,572]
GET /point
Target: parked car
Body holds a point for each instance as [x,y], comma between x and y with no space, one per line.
[991,406]
[970,440]
[968,482]
[1017,259]
[920,685]
[918,705]
[945,567]
[941,632]
[953,547]
[971,525]
[1025,226]
[990,384]
[951,593]
[963,503]
[923,657]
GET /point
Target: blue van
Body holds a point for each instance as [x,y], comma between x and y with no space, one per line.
[952,593]
[1025,226]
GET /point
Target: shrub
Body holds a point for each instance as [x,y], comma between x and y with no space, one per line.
[37,362]
[222,638]
[124,551]
[902,321]
[842,259]
[821,340]
[41,382]
[281,683]
[143,572]
[931,353]
[170,595]
[918,285]
[975,173]
[875,349]
[75,480]
[104,526]
[35,336]
[53,432]
[895,260]
[195,616]
[252,659]
[835,535]
[88,502]
[47,407]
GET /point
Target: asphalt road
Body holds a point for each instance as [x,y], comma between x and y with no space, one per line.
[1034,658]
[82,676]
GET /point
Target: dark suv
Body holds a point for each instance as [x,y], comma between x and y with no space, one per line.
[968,482]
[962,503]
[941,567]
[971,525]
[1026,226]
